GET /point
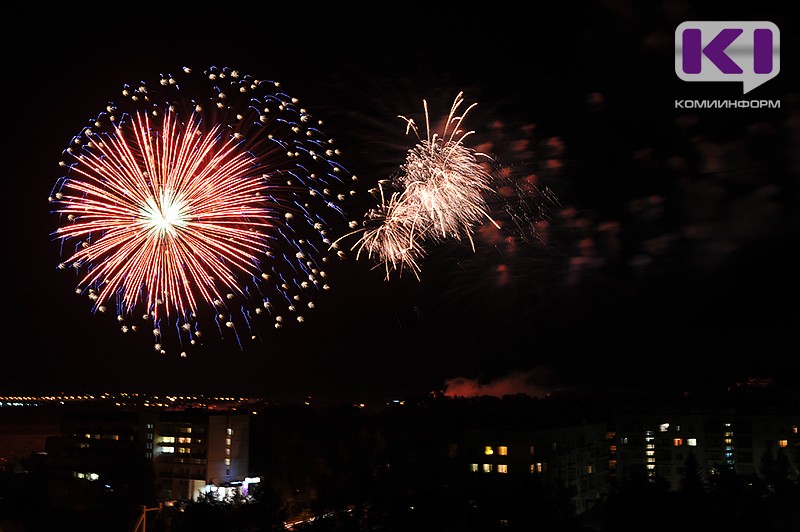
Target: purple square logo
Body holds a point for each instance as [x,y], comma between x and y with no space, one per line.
[733,51]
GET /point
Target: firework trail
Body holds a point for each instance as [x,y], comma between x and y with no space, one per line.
[203,198]
[439,194]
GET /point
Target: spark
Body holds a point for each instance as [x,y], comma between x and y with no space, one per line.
[206,199]
[440,194]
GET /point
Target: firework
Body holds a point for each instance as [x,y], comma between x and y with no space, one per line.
[204,198]
[439,194]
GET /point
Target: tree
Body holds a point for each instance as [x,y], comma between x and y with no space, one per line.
[693,483]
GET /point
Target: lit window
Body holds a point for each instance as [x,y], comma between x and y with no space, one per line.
[227,461]
[502,468]
[533,449]
[610,435]
[623,440]
[664,427]
[93,476]
[168,439]
[589,469]
[783,443]
[612,448]
[183,450]
[227,441]
[677,442]
[168,450]
[794,429]
[487,468]
[488,450]
[538,467]
[677,428]
[502,450]
[691,442]
[612,465]
[473,468]
[229,431]
[651,466]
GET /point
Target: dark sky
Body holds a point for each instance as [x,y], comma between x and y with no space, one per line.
[670,257]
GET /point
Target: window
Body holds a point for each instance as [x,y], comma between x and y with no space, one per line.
[502,468]
[783,443]
[538,467]
[623,440]
[589,469]
[473,468]
[487,468]
[488,450]
[227,461]
[677,442]
[664,427]
[691,442]
[533,449]
[502,450]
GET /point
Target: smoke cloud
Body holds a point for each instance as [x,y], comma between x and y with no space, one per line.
[531,382]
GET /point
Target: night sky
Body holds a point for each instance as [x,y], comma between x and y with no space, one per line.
[669,258]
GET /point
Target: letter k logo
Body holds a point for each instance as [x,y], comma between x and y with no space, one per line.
[714,51]
[742,51]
